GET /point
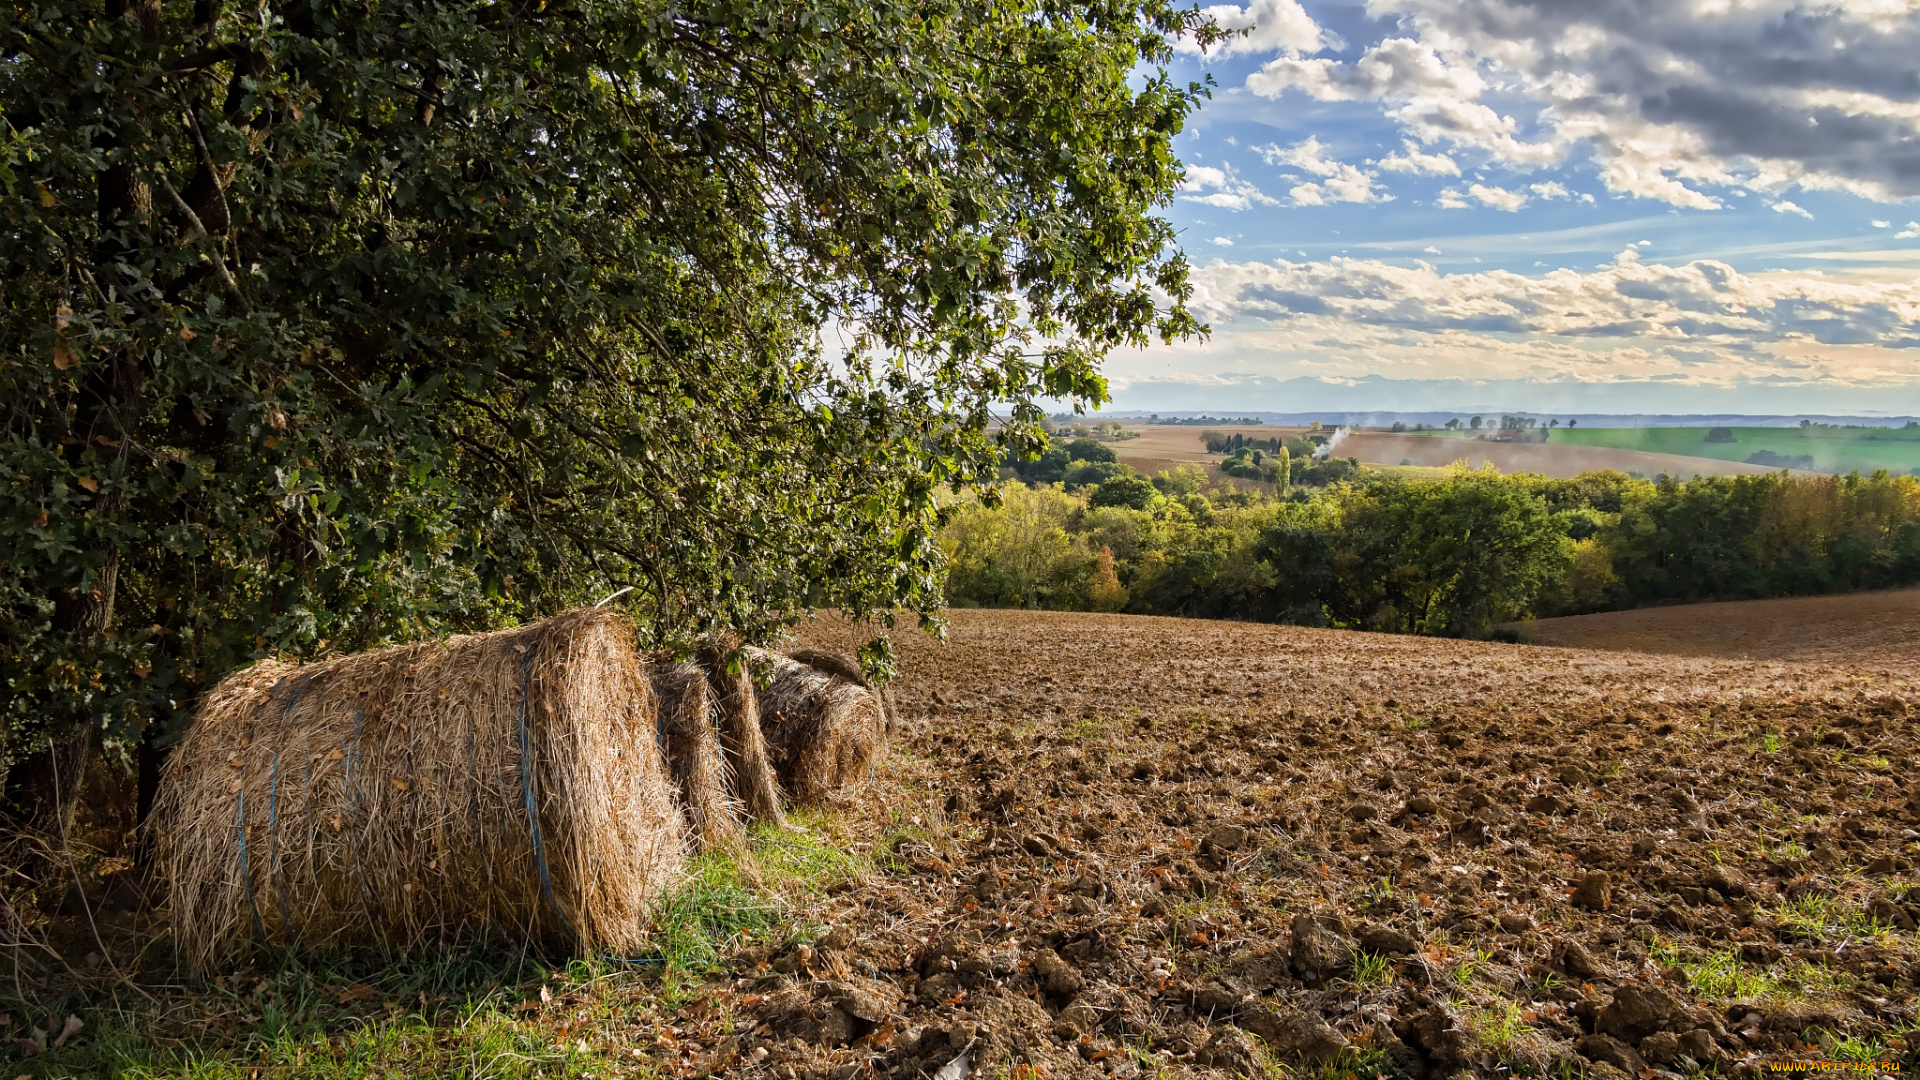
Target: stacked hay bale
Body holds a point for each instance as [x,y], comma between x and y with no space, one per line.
[826,725]
[691,742]
[503,784]
[541,785]
[737,703]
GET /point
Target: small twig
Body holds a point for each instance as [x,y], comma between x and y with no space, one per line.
[206,242]
[614,596]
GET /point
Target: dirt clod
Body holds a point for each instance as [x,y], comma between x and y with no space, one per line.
[1594,892]
[1386,941]
[1637,1011]
[1291,1033]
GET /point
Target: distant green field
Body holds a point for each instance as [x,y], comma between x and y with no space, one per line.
[1833,449]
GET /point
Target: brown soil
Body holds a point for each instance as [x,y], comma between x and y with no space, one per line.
[1549,458]
[1119,845]
[1867,630]
[1178,442]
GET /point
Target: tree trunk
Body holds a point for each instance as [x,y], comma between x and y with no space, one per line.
[44,787]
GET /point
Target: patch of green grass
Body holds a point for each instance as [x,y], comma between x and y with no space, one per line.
[1828,919]
[809,855]
[1834,449]
[1721,975]
[1788,851]
[1851,1048]
[1724,976]
[450,1011]
[447,1011]
[1469,969]
[490,1045]
[1770,743]
[1370,970]
[1501,1028]
[1085,727]
[1360,1061]
[696,923]
[723,901]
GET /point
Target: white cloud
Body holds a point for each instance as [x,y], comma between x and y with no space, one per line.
[1552,189]
[1271,25]
[1451,199]
[1911,232]
[1412,160]
[1222,241]
[1430,250]
[1785,207]
[1878,224]
[1222,188]
[1671,99]
[1629,318]
[1339,182]
[1498,197]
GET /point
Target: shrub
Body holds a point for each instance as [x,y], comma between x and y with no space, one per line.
[1089,473]
[1720,435]
[1132,491]
[1090,450]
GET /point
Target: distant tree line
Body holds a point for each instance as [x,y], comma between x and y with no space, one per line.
[1454,556]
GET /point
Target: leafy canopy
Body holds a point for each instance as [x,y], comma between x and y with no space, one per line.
[324,324]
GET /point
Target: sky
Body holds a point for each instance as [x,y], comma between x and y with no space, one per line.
[1602,205]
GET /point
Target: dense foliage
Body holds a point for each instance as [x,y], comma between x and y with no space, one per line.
[1454,556]
[323,325]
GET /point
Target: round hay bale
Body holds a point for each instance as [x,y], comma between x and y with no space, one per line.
[748,761]
[824,732]
[691,739]
[842,666]
[507,786]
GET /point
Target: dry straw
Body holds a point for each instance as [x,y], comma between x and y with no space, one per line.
[507,785]
[692,744]
[737,706]
[825,725]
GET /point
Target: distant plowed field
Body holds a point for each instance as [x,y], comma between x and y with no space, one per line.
[1132,847]
[1868,630]
[1548,458]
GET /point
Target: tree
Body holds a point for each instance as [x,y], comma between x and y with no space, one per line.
[327,327]
[1090,450]
[1134,492]
[1106,592]
[1474,423]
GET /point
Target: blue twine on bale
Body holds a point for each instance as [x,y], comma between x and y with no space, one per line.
[533,821]
[273,812]
[526,790]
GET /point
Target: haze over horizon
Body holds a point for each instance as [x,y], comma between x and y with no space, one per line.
[1617,206]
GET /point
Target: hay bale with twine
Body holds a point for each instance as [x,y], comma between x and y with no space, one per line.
[691,740]
[508,786]
[825,730]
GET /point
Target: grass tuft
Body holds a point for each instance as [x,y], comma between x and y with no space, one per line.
[1371,970]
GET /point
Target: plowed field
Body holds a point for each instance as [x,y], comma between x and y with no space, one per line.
[1122,845]
[1865,630]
